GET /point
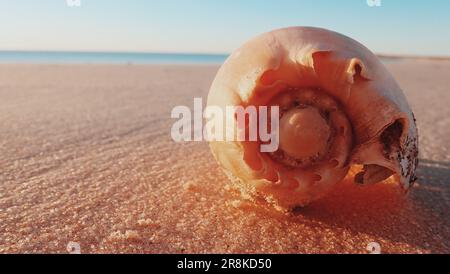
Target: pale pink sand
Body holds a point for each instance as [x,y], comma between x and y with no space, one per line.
[86,156]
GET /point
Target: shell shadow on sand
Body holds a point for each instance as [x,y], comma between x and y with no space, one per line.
[421,218]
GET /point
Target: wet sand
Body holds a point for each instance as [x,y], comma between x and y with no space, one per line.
[86,156]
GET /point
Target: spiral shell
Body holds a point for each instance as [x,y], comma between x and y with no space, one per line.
[338,92]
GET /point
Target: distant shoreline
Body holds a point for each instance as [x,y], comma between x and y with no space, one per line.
[63,57]
[68,57]
[414,57]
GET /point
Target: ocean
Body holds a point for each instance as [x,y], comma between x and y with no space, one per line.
[53,57]
[63,57]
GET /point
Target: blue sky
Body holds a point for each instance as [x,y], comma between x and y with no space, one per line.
[417,27]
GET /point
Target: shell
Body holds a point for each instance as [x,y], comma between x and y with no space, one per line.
[376,125]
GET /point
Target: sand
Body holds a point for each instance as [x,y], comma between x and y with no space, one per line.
[86,157]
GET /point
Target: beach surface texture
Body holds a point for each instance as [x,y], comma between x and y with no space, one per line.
[86,157]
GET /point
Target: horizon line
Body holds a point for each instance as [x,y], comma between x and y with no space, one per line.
[117,52]
[380,55]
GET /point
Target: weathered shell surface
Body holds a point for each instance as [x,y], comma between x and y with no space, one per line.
[383,135]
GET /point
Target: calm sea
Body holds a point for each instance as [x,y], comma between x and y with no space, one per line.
[108,58]
[55,57]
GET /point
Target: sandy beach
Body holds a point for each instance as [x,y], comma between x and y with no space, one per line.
[86,156]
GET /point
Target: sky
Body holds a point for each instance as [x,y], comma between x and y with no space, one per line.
[414,27]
